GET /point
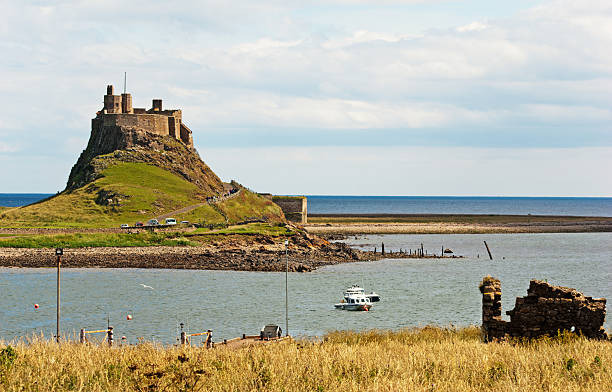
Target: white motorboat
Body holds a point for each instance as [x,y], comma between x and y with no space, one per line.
[355,298]
[355,289]
[354,302]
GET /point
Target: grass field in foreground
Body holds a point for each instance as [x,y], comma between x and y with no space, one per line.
[430,359]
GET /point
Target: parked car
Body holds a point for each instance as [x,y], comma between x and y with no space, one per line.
[138,224]
[185,222]
[170,221]
[152,222]
[125,226]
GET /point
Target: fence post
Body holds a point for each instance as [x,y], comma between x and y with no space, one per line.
[209,339]
[110,336]
[183,338]
[82,336]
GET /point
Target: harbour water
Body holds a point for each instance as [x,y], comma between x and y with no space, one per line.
[414,292]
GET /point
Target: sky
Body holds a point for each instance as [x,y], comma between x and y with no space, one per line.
[335,97]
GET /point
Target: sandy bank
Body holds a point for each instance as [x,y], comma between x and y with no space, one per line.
[551,226]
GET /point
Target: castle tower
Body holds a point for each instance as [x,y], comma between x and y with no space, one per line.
[157,105]
[126,103]
[112,103]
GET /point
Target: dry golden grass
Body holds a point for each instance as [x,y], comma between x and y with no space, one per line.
[430,359]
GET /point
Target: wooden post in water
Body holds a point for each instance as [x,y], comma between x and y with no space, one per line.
[422,253]
[487,246]
[110,336]
[209,339]
[183,338]
[82,336]
[442,253]
[59,252]
[383,248]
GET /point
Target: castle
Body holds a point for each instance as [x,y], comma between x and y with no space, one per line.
[118,111]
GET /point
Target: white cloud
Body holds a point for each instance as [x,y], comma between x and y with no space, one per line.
[474,26]
[296,66]
[6,147]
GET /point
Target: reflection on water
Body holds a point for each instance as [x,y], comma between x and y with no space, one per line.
[414,292]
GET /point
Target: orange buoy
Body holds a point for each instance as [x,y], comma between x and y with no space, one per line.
[35,306]
[129,317]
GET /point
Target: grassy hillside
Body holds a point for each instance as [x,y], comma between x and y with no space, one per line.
[243,206]
[431,359]
[145,238]
[127,192]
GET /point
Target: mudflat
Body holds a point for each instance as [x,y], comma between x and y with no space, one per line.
[326,224]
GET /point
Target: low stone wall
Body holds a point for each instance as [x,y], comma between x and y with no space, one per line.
[546,310]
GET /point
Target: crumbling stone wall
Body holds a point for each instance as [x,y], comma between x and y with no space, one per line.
[546,310]
[493,325]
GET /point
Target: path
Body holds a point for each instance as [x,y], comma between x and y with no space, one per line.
[194,206]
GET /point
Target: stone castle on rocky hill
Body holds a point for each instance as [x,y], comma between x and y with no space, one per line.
[118,111]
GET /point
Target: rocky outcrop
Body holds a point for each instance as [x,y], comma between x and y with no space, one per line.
[111,144]
[234,252]
[546,310]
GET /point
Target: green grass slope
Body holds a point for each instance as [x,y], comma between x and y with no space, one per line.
[126,192]
[244,206]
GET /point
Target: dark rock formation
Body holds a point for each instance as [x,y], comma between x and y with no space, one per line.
[110,144]
[546,310]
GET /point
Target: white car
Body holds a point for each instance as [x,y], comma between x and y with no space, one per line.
[125,226]
[170,221]
[152,222]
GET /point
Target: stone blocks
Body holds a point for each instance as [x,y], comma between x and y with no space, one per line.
[546,310]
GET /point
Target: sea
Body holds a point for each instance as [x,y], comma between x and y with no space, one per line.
[415,292]
[569,206]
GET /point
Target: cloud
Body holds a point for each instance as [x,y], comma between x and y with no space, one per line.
[8,148]
[335,73]
[401,170]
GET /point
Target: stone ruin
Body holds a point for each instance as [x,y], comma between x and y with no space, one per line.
[546,310]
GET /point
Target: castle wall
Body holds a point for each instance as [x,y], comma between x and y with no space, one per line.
[185,135]
[150,122]
[294,207]
[118,112]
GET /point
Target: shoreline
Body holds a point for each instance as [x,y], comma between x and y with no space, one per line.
[347,224]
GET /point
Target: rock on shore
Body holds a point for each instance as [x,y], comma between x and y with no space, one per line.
[231,252]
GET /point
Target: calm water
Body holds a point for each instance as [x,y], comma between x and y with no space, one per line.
[414,292]
[575,206]
[21,199]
